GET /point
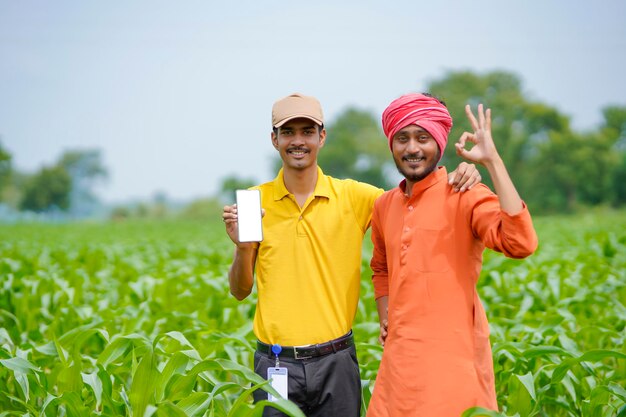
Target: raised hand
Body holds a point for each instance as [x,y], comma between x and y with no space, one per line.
[484,150]
[229,216]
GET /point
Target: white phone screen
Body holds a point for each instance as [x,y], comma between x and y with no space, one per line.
[249,215]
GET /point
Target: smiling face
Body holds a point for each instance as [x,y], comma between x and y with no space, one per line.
[298,141]
[415,153]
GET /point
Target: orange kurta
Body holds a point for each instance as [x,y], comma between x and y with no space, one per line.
[427,259]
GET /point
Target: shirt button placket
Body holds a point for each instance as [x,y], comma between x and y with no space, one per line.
[405,239]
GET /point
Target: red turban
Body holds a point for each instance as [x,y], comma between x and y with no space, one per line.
[418,109]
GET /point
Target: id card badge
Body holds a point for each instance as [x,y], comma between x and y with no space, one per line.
[278,380]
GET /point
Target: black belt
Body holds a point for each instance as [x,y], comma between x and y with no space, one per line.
[309,351]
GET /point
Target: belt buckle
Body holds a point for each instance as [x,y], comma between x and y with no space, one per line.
[295,352]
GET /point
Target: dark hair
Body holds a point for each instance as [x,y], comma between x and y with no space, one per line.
[436,98]
[275,129]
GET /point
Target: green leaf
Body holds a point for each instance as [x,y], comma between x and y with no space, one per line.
[49,399]
[61,353]
[195,404]
[22,381]
[599,397]
[167,409]
[48,349]
[240,403]
[175,365]
[92,380]
[481,412]
[113,351]
[143,386]
[544,351]
[19,365]
[519,399]
[222,387]
[72,402]
[599,354]
[70,379]
[590,356]
[285,406]
[569,387]
[529,383]
[617,390]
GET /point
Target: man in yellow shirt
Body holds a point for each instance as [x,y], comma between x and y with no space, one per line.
[308,266]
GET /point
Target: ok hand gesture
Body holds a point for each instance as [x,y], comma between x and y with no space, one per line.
[484,150]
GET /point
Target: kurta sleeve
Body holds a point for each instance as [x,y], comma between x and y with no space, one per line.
[378,263]
[512,235]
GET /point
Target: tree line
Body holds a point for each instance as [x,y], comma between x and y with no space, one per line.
[64,186]
[555,167]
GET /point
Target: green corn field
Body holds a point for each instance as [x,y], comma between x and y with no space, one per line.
[135,319]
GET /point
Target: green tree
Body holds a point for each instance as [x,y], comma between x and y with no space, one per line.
[563,170]
[5,168]
[232,183]
[519,125]
[356,148]
[86,169]
[614,129]
[573,169]
[202,209]
[48,189]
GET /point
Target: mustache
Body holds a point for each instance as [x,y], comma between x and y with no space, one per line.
[411,156]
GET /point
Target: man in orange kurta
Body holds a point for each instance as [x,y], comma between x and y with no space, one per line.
[428,245]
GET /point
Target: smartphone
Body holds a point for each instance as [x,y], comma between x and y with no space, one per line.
[249,215]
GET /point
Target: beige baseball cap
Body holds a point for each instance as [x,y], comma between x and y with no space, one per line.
[294,106]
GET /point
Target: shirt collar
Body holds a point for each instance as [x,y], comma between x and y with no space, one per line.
[322,187]
[438,175]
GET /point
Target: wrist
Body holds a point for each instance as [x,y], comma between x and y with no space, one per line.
[494,163]
[247,247]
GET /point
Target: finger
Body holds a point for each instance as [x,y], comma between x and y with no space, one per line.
[476,179]
[462,152]
[229,217]
[481,116]
[458,173]
[462,140]
[466,137]
[470,116]
[488,124]
[464,181]
[471,180]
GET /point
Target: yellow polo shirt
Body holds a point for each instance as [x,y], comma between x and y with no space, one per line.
[308,266]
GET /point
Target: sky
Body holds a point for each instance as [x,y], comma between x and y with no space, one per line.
[178,95]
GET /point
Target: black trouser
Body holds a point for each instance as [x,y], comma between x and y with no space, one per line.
[324,386]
